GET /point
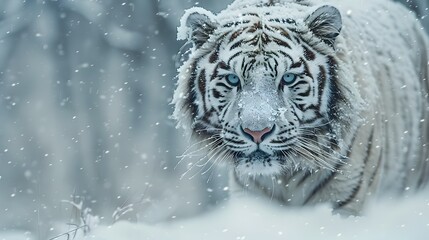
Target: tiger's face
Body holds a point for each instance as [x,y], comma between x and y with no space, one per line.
[261,89]
[265,97]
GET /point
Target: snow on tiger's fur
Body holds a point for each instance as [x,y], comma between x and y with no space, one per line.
[310,101]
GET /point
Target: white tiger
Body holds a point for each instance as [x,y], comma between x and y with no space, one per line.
[309,101]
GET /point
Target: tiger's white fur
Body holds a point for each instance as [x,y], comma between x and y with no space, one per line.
[355,123]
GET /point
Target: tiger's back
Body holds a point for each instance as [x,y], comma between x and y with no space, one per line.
[310,103]
[393,49]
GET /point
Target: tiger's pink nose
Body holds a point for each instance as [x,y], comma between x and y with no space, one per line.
[258,136]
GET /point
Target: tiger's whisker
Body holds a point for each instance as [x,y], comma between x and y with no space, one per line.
[203,165]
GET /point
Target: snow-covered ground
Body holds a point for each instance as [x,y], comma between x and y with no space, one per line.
[249,218]
[15,235]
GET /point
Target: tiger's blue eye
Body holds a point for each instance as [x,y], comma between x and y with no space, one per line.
[233,79]
[289,78]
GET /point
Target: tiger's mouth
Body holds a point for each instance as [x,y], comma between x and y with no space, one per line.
[259,155]
[258,163]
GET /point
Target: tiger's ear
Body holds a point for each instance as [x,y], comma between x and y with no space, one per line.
[196,25]
[325,23]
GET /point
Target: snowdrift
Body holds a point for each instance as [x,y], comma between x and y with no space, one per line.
[248,218]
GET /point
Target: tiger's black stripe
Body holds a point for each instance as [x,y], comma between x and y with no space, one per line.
[321,81]
[322,184]
[306,68]
[335,93]
[214,57]
[358,186]
[308,54]
[202,88]
[281,43]
[233,57]
[375,170]
[192,95]
[353,194]
[369,146]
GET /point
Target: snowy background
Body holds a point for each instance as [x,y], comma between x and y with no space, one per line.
[85,87]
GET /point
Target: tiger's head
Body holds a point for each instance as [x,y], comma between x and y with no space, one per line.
[263,88]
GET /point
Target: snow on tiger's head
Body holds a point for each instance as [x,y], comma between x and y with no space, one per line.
[260,87]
